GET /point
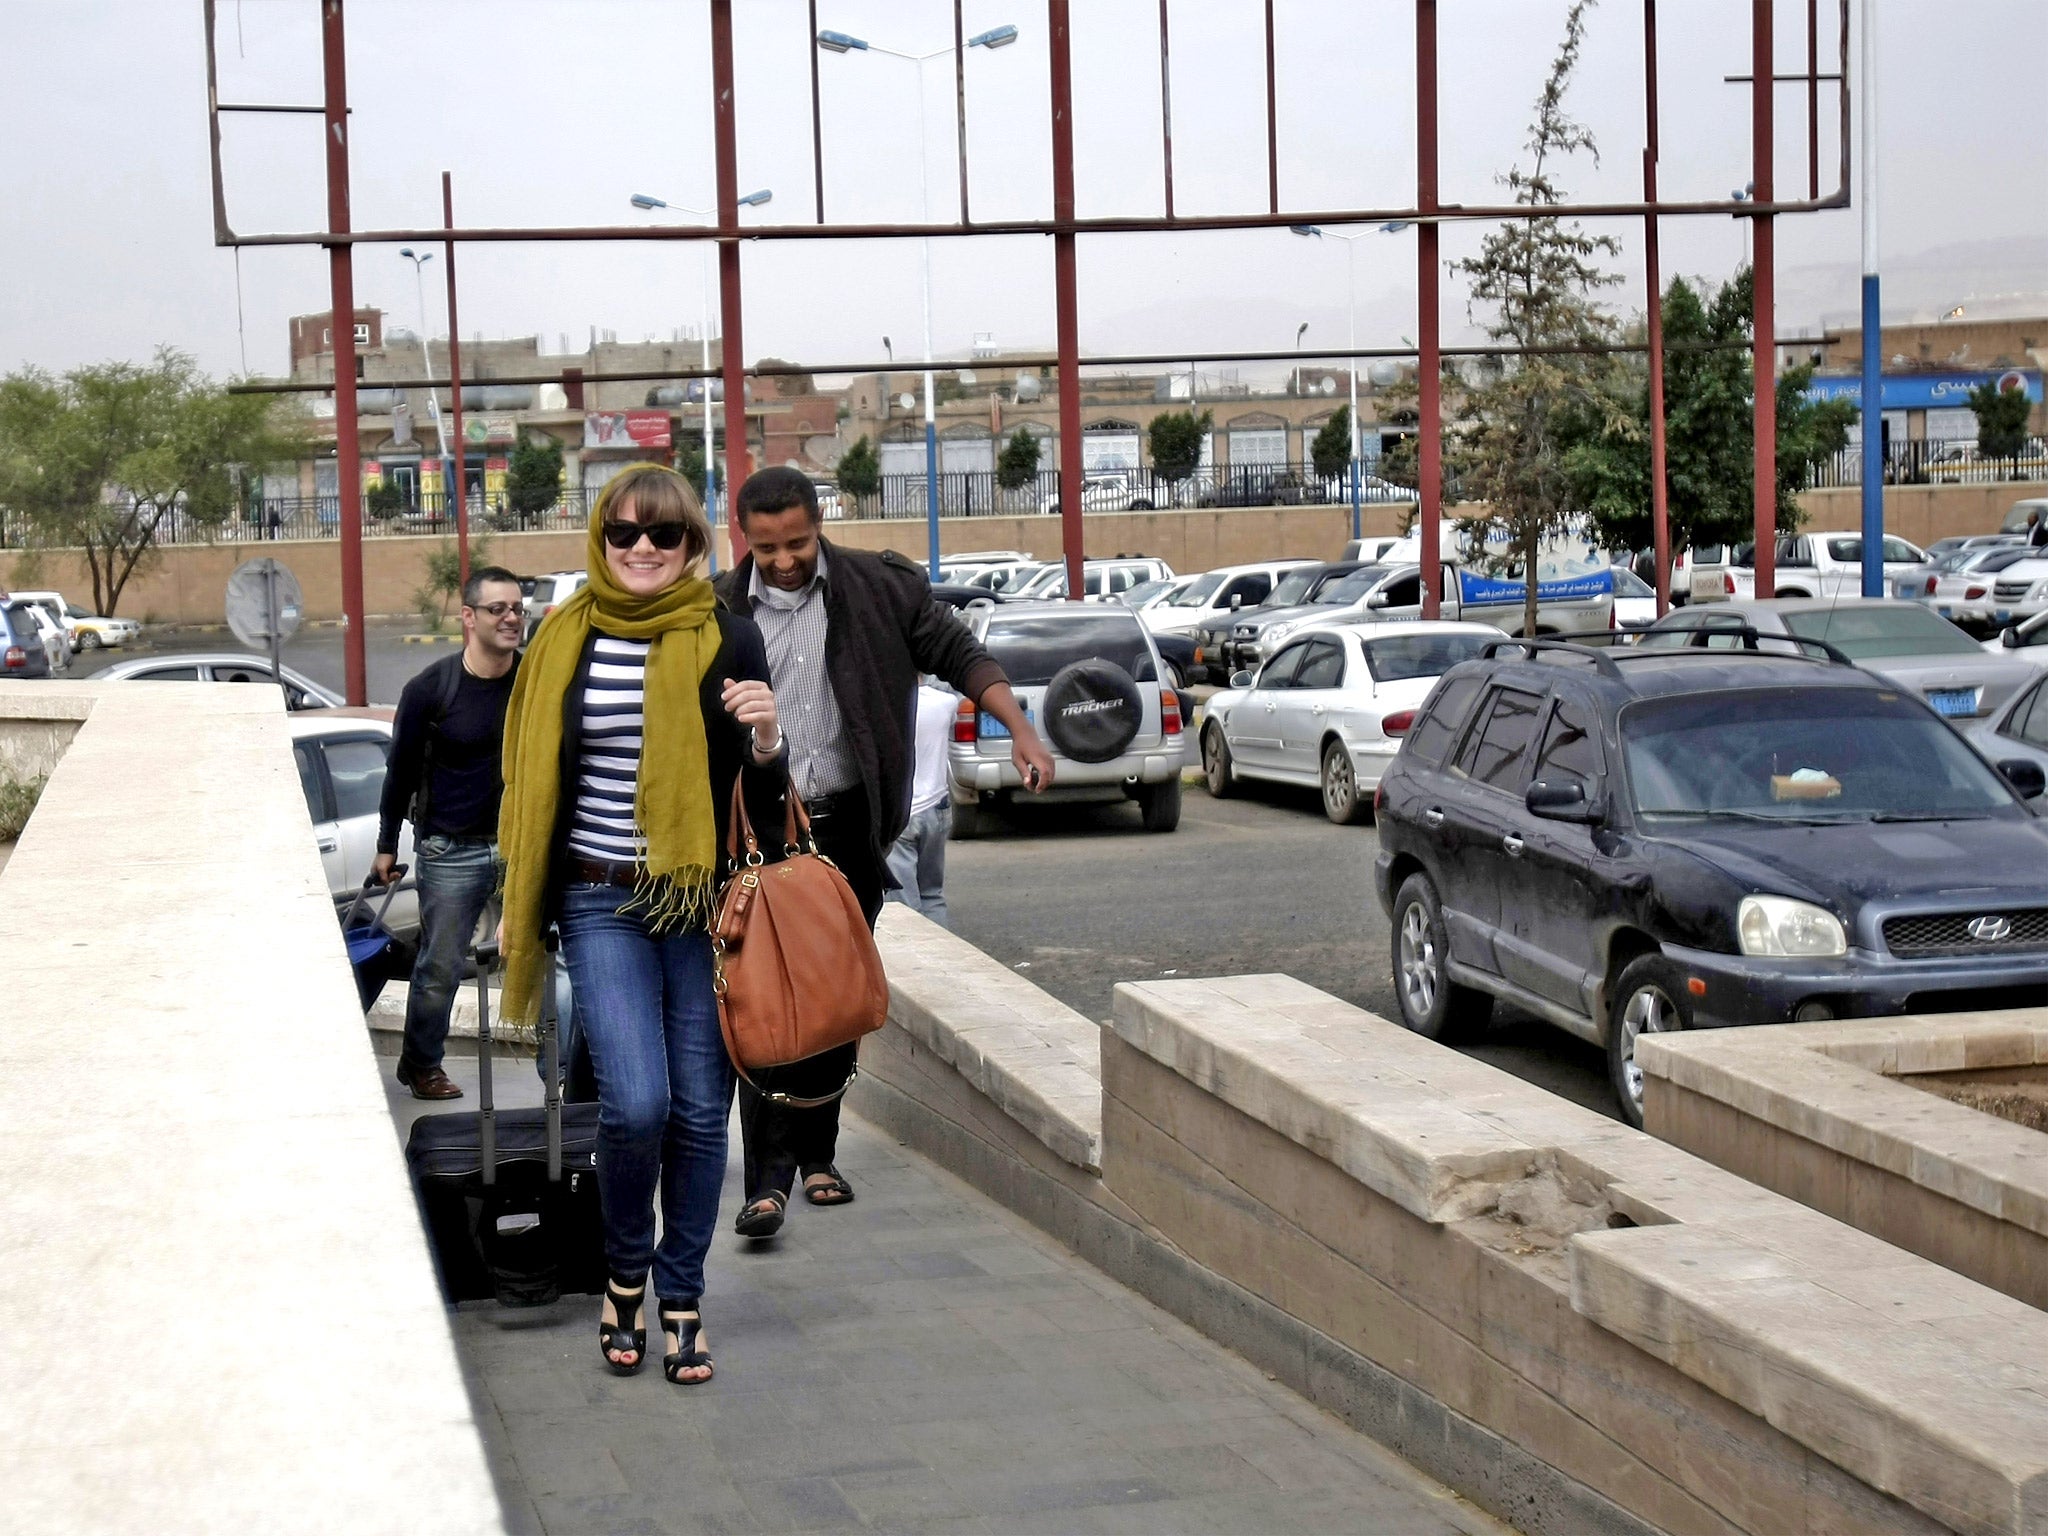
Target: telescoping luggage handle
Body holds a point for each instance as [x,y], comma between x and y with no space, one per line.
[348,918]
[551,1046]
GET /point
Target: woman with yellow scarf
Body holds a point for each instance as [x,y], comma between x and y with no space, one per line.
[639,704]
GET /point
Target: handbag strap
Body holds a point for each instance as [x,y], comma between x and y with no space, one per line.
[740,826]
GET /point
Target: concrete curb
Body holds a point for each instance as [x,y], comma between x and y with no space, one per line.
[431,639]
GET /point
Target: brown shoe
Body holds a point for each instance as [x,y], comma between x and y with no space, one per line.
[429,1083]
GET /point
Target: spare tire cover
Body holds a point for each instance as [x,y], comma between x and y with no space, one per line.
[1091,710]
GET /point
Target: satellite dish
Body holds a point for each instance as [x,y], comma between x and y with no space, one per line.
[1384,373]
[906,401]
[1329,386]
[1026,387]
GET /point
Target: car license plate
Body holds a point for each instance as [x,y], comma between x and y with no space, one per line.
[991,726]
[1955,703]
[1945,612]
[2005,615]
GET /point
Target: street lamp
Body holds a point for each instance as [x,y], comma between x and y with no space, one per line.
[1317,232]
[1746,193]
[645,203]
[448,471]
[842,42]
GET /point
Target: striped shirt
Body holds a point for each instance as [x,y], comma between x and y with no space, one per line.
[602,826]
[821,760]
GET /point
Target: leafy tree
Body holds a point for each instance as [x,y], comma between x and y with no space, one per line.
[384,500]
[106,457]
[2001,420]
[533,480]
[1709,382]
[1175,438]
[690,460]
[1017,464]
[444,577]
[1331,450]
[1538,275]
[860,470]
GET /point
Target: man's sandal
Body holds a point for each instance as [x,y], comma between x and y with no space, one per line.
[622,1335]
[762,1216]
[681,1321]
[833,1191]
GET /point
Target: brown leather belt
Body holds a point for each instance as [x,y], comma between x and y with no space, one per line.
[603,872]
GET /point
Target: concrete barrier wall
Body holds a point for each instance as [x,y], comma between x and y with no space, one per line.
[1574,1325]
[217,1310]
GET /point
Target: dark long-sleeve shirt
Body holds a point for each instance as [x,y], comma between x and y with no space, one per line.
[460,754]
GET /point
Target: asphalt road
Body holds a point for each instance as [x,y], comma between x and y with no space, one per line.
[1079,898]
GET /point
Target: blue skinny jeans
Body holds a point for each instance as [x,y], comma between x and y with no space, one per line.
[649,1019]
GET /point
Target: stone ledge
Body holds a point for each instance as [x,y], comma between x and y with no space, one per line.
[1918,1382]
[1835,1084]
[1028,1053]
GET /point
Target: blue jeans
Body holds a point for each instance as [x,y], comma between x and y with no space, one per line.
[456,879]
[917,863]
[664,1087]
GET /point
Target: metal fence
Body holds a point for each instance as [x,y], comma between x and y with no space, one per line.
[1931,461]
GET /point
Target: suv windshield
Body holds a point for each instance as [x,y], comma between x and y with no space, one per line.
[1400,657]
[1197,596]
[1803,755]
[1293,587]
[1342,594]
[1032,647]
[1864,633]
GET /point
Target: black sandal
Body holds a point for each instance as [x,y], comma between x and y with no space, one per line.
[618,1336]
[834,1191]
[754,1222]
[681,1321]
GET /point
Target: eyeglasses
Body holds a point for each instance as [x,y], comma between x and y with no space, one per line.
[495,610]
[660,535]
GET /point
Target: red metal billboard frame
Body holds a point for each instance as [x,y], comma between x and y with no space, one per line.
[1064,228]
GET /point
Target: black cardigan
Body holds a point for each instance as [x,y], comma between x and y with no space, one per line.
[742,657]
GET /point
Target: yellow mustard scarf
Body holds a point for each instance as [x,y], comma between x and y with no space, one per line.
[673,817]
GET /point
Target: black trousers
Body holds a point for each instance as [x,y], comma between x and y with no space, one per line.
[779,1142]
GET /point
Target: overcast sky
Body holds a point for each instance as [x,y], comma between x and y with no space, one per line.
[554,111]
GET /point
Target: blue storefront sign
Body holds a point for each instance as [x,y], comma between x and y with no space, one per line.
[1927,391]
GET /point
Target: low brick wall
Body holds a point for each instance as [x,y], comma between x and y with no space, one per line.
[1826,1115]
[217,1310]
[1576,1326]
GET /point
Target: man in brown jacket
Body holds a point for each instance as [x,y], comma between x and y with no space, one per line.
[848,634]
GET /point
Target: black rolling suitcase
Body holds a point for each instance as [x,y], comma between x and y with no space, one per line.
[509,1198]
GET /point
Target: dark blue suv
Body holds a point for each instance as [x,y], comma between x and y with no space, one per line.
[1653,840]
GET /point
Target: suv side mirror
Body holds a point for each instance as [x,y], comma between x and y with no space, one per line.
[1376,600]
[1564,800]
[2009,637]
[1240,679]
[1236,601]
[2025,776]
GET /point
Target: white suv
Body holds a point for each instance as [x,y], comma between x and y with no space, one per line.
[550,592]
[2019,592]
[1826,565]
[1216,593]
[1101,578]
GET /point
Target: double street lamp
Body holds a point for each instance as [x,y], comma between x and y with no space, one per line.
[451,474]
[645,203]
[841,42]
[1317,232]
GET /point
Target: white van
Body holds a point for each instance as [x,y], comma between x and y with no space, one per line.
[1574,585]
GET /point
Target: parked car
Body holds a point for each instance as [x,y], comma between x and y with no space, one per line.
[2020,515]
[1635,600]
[1103,492]
[2026,642]
[1650,840]
[1826,565]
[1368,551]
[300,691]
[1960,586]
[2021,590]
[2019,730]
[1090,678]
[341,755]
[1310,594]
[1105,578]
[1221,591]
[1331,708]
[22,652]
[549,592]
[1903,642]
[1149,594]
[87,630]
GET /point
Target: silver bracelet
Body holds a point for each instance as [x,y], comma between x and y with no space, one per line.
[754,737]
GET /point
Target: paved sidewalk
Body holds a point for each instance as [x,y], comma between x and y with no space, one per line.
[919,1361]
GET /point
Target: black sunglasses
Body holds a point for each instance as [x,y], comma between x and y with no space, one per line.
[660,535]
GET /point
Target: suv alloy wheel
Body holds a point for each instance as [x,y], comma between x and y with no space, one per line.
[1216,769]
[1431,1004]
[1649,999]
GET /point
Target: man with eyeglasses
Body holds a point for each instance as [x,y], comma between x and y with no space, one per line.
[446,746]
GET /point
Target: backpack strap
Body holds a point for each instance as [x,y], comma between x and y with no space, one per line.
[448,683]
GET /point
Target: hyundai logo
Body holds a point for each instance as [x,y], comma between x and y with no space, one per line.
[1989,930]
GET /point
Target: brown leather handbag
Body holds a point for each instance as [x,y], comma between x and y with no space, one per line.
[797,971]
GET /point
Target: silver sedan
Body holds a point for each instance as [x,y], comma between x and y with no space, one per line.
[1904,642]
